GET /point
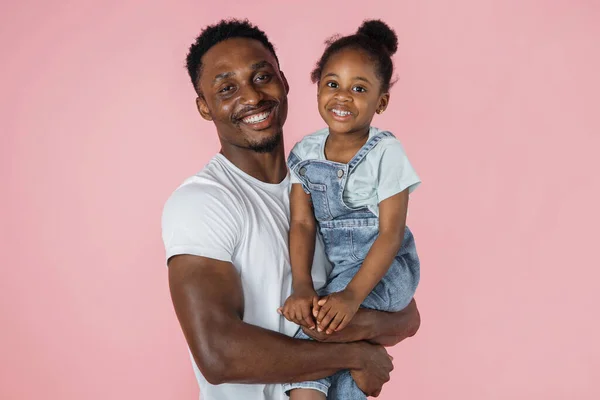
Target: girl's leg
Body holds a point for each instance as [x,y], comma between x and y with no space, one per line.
[343,387]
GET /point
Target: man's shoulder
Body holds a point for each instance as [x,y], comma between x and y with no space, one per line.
[203,216]
[211,185]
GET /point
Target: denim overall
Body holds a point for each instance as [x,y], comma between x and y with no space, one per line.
[348,234]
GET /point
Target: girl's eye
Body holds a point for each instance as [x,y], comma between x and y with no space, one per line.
[331,85]
[359,89]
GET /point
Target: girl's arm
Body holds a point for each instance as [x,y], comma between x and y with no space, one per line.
[338,309]
[392,223]
[302,237]
[298,307]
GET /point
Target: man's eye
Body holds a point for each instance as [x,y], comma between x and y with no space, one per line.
[263,77]
[225,89]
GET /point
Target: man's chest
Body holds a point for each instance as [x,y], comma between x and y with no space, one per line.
[263,241]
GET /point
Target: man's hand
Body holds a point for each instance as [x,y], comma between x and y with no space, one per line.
[297,307]
[335,311]
[376,370]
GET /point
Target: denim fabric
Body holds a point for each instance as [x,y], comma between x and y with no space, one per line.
[348,234]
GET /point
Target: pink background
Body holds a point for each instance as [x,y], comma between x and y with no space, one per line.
[497,105]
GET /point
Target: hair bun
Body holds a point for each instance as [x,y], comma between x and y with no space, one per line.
[380,32]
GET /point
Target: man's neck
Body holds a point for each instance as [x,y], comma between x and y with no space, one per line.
[266,167]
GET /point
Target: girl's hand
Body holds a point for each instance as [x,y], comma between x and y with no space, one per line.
[336,311]
[298,306]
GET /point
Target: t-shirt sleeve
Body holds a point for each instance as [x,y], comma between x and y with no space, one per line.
[395,172]
[201,220]
[294,178]
[296,155]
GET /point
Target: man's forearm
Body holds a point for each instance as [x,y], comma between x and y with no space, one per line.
[392,328]
[249,354]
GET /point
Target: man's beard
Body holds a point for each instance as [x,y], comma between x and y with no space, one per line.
[266,145]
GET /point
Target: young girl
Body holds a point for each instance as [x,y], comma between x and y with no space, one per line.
[354,180]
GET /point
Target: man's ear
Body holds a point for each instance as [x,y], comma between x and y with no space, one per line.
[285,82]
[203,108]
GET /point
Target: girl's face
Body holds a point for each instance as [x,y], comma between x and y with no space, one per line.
[349,92]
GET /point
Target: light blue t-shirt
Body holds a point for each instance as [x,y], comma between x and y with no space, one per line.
[384,172]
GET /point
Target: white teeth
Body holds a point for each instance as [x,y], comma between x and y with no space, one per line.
[256,118]
[341,113]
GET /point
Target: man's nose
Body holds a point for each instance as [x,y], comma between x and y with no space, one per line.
[250,95]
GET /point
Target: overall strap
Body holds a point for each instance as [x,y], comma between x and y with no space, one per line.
[292,161]
[362,153]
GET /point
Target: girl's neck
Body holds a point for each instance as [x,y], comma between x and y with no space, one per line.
[341,147]
[349,139]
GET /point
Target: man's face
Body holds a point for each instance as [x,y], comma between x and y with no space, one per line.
[244,94]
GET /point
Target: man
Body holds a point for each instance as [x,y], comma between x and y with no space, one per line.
[225,232]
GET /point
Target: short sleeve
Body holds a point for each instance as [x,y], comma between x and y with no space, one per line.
[294,178]
[201,220]
[395,171]
[309,148]
[296,155]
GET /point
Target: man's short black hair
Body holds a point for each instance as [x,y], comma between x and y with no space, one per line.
[213,34]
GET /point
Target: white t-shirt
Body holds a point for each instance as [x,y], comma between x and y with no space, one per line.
[225,214]
[384,172]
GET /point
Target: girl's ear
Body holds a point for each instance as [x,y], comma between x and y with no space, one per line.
[384,100]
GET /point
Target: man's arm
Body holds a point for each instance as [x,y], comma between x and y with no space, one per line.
[208,300]
[378,327]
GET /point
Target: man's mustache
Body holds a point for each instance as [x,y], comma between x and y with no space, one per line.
[265,104]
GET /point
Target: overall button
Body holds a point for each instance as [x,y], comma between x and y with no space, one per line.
[340,173]
[302,171]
